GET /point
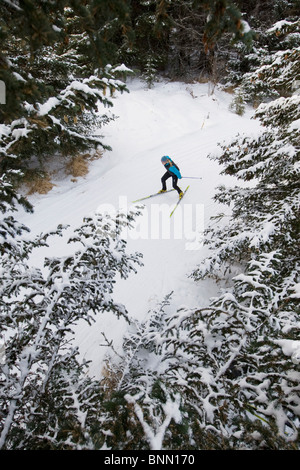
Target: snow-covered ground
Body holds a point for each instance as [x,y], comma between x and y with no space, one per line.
[186,122]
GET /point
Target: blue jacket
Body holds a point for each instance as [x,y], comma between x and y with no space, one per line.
[172,168]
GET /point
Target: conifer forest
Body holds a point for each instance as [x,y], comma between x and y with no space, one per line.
[213,372]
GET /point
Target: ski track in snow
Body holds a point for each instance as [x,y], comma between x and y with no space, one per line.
[185,122]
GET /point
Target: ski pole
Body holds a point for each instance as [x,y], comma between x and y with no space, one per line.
[192,177]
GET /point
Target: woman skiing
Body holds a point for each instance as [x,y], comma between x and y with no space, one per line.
[172,172]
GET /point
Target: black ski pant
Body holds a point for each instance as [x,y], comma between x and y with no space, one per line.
[174,180]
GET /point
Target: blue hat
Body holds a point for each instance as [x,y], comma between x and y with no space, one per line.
[165,158]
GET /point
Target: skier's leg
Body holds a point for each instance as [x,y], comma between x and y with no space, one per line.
[164,179]
[175,180]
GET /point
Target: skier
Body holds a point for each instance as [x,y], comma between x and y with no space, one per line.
[172,172]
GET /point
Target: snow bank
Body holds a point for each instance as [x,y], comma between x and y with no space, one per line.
[290,348]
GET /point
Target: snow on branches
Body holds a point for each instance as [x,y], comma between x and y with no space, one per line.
[256,318]
[275,63]
[65,123]
[47,400]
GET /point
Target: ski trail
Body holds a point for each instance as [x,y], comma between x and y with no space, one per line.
[165,120]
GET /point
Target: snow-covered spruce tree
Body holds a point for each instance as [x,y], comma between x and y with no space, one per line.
[64,124]
[47,399]
[167,391]
[257,321]
[149,74]
[10,228]
[141,404]
[199,379]
[272,65]
[58,78]
[268,67]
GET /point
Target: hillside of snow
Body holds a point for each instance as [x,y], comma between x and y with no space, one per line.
[186,122]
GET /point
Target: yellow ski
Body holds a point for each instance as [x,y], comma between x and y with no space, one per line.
[178,202]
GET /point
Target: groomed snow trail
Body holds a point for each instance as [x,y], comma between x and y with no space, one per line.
[185,122]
